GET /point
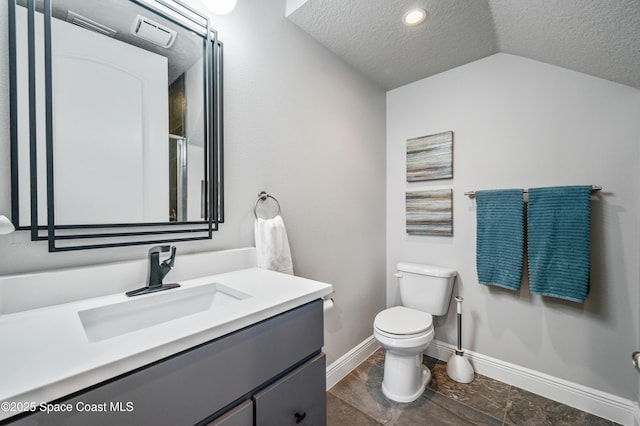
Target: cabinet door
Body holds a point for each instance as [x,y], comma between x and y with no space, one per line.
[242,415]
[297,398]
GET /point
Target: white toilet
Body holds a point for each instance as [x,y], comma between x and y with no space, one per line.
[406,331]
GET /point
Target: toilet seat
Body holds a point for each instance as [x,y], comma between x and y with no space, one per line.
[401,322]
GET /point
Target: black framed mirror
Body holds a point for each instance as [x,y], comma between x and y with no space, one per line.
[116,128]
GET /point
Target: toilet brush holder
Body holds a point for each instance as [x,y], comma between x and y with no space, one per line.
[458,367]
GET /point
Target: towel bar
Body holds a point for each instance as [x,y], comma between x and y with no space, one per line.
[263,196]
[472,194]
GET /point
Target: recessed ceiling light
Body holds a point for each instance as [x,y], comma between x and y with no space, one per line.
[414,17]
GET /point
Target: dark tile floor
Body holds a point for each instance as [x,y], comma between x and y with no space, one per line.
[357,400]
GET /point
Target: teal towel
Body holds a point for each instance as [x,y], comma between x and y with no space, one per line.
[500,237]
[558,241]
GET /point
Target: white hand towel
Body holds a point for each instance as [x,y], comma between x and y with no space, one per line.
[272,245]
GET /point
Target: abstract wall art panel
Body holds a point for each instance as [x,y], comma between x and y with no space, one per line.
[430,157]
[430,212]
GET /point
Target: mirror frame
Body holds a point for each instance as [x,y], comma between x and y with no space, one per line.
[83,236]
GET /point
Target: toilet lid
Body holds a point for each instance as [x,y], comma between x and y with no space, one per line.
[403,320]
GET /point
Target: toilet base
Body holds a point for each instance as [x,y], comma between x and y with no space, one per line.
[405,377]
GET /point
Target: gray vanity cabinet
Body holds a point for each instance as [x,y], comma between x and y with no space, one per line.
[270,373]
[294,399]
[241,415]
[297,398]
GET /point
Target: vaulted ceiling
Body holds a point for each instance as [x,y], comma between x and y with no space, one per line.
[596,37]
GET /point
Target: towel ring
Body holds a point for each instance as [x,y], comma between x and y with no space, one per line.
[263,196]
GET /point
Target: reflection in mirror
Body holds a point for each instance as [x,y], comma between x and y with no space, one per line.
[111,95]
[130,140]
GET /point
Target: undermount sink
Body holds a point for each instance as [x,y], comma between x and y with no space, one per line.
[120,318]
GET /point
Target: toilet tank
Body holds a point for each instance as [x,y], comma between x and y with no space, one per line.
[425,287]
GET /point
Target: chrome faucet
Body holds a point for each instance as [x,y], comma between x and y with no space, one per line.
[157,271]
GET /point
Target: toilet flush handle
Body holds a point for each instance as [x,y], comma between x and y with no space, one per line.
[398,275]
[635,357]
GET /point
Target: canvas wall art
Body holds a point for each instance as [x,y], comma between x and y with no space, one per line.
[430,157]
[430,212]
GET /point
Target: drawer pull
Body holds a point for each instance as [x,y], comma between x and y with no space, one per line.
[300,417]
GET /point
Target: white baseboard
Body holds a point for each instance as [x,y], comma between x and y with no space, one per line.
[593,401]
[349,361]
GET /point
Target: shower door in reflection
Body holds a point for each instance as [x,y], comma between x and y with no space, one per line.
[177,178]
[186,202]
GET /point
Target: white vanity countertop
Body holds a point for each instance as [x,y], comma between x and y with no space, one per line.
[45,353]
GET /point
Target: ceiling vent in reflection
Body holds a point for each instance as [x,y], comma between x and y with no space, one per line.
[90,25]
[153,32]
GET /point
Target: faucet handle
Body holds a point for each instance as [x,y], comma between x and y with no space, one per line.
[159,249]
[171,259]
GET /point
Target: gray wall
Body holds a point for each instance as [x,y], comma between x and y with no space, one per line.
[300,124]
[519,123]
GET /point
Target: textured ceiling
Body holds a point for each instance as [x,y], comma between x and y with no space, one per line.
[596,37]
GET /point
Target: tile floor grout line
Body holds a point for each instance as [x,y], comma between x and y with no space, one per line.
[472,408]
[439,392]
[469,407]
[354,407]
[506,407]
